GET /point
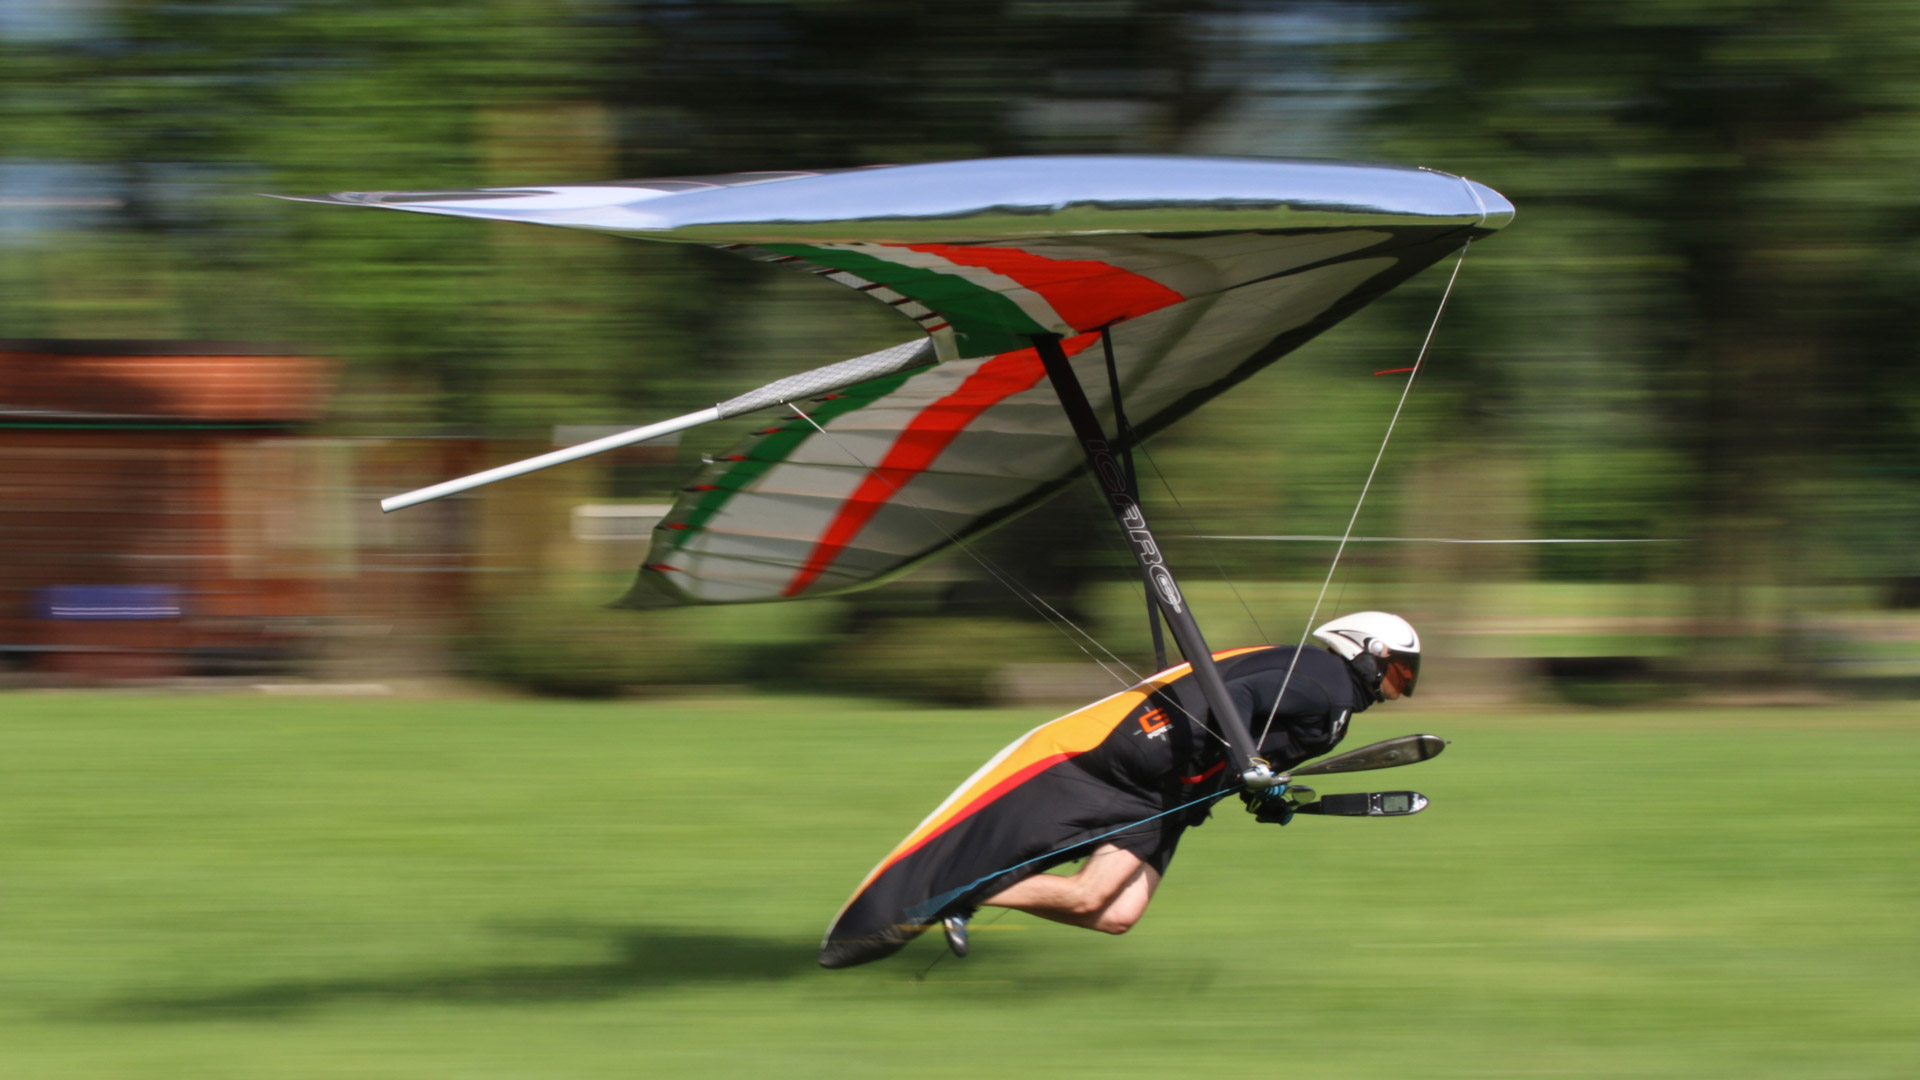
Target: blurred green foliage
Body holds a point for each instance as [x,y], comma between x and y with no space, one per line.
[556,645]
[1717,251]
[942,661]
[1700,327]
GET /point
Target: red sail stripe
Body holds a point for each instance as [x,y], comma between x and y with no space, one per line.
[1086,293]
[924,438]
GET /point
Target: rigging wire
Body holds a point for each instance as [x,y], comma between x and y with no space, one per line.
[1115,541]
[1211,554]
[1120,546]
[943,954]
[1364,488]
[1027,596]
[1309,538]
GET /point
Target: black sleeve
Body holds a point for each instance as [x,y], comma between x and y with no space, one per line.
[1247,701]
[1302,725]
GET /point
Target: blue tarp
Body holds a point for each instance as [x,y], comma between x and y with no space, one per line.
[108,603]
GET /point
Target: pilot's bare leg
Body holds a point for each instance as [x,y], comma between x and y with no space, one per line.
[1108,894]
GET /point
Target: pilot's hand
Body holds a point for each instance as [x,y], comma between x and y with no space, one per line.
[1269,806]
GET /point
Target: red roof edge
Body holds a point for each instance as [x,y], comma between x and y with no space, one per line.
[162,380]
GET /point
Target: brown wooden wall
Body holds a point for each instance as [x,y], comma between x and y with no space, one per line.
[273,541]
[154,507]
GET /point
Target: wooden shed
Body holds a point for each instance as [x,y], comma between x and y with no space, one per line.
[154,520]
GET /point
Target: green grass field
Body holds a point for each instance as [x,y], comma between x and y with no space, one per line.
[238,887]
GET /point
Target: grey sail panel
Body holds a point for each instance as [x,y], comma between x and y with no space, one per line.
[1203,270]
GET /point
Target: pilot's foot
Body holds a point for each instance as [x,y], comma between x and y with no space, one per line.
[956,927]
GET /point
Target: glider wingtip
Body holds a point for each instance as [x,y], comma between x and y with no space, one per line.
[1496,212]
[647,593]
[325,200]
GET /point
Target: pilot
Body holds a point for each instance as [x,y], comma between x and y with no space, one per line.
[1303,699]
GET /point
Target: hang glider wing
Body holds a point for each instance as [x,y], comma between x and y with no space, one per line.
[1201,270]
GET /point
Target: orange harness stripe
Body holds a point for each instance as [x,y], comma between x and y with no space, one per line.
[1042,748]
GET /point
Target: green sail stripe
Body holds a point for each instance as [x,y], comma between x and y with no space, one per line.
[774,449]
[985,322]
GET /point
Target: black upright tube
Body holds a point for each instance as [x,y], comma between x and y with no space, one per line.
[1124,432]
[1173,605]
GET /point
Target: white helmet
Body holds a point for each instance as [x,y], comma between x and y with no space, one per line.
[1375,642]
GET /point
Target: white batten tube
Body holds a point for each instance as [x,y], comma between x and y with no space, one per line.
[904,357]
[558,457]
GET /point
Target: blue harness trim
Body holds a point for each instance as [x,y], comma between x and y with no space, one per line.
[929,910]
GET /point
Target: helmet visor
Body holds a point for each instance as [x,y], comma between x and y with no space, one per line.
[1403,671]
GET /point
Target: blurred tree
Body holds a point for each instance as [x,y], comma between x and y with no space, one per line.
[1701,324]
[1719,191]
[177,112]
[171,115]
[188,108]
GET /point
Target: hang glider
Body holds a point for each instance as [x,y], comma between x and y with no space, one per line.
[1194,272]
[1170,278]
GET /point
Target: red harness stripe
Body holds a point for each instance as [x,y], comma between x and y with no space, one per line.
[1205,775]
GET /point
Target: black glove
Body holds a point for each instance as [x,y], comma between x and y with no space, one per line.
[1270,806]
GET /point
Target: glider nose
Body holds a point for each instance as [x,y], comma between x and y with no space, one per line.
[1495,210]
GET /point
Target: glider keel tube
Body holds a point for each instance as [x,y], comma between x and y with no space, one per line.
[889,361]
[547,461]
[1252,769]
